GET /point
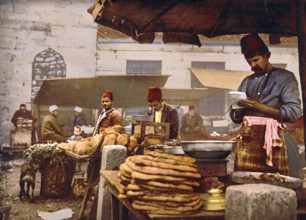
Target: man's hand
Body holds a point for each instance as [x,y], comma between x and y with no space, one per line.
[247,103]
[259,107]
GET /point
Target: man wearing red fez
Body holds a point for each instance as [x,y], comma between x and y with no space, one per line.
[109,116]
[162,111]
[22,113]
[192,122]
[273,99]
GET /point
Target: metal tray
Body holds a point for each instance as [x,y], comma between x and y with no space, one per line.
[209,149]
[238,177]
[208,145]
[177,150]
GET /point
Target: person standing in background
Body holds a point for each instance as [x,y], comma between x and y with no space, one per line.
[109,115]
[192,122]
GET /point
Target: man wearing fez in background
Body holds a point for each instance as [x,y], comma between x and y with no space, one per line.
[50,129]
[272,99]
[162,111]
[192,122]
[109,116]
[22,113]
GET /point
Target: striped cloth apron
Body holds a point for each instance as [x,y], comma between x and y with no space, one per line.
[251,155]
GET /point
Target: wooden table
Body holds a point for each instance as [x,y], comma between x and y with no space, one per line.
[112,178]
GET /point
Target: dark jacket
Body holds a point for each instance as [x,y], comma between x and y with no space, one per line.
[170,115]
[79,120]
[24,114]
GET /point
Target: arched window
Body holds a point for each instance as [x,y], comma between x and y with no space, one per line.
[47,64]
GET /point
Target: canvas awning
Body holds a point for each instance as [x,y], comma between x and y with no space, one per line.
[187,96]
[128,90]
[221,79]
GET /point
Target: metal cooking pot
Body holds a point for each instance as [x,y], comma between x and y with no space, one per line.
[208,149]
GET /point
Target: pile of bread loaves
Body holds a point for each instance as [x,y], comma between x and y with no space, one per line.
[160,183]
[114,135]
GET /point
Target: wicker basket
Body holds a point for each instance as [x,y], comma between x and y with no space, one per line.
[56,176]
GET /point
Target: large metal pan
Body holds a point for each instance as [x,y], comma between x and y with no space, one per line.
[239,177]
[208,149]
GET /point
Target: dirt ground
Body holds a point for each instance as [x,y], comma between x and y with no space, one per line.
[11,208]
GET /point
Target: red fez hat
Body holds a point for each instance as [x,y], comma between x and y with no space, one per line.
[108,93]
[22,105]
[191,108]
[250,43]
[154,93]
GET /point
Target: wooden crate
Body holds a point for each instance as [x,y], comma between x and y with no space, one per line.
[151,129]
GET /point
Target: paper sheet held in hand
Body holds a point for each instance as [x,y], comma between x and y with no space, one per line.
[234,96]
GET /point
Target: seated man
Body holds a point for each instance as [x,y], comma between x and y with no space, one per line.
[192,122]
[22,113]
[50,129]
[162,111]
[78,117]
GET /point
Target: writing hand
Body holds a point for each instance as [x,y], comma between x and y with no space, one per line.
[248,103]
[259,107]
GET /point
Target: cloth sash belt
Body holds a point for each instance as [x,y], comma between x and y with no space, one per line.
[271,134]
[261,146]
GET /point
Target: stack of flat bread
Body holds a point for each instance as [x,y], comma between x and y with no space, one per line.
[160,183]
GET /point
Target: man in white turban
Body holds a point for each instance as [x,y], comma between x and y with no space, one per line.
[50,129]
[78,117]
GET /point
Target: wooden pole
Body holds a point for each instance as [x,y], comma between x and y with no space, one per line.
[301,34]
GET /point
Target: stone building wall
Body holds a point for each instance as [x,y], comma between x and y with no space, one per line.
[27,29]
[176,58]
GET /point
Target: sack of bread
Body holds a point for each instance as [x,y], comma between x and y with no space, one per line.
[109,139]
[119,129]
[63,146]
[82,147]
[73,144]
[66,146]
[133,143]
[123,139]
[152,141]
[95,143]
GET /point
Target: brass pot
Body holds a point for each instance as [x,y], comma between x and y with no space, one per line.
[214,200]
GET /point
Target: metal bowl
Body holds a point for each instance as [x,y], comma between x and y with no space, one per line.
[209,149]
